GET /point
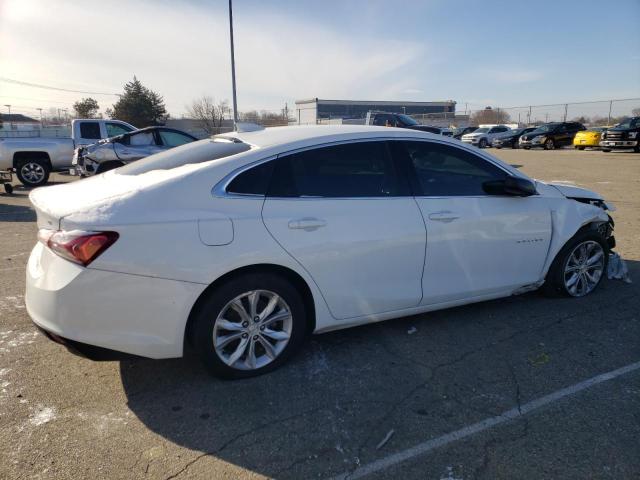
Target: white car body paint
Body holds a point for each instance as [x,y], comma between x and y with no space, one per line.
[366,263]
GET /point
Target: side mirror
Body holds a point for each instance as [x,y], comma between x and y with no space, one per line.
[514,186]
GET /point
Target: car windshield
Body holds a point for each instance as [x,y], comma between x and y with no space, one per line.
[631,123]
[190,153]
[596,129]
[407,119]
[550,127]
[481,130]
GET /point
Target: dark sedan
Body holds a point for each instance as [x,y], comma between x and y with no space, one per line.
[510,138]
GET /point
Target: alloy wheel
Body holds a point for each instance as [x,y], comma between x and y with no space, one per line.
[252,330]
[549,145]
[32,172]
[584,268]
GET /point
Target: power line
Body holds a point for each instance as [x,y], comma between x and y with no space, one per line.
[48,87]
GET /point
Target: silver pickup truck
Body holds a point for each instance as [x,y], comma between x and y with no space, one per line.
[33,159]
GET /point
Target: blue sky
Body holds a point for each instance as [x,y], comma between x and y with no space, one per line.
[496,53]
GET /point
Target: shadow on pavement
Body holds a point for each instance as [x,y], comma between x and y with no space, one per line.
[16,213]
[326,411]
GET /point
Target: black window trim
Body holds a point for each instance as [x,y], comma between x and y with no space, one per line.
[220,189]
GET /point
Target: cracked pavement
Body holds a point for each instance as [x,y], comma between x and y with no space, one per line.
[326,412]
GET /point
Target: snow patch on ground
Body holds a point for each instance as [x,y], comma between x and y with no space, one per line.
[12,302]
[42,415]
[10,339]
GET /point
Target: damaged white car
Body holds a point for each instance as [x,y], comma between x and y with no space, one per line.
[120,150]
[241,245]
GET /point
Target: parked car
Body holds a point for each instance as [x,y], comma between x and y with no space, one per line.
[551,135]
[482,137]
[623,135]
[400,120]
[510,138]
[588,138]
[118,151]
[241,244]
[33,159]
[459,132]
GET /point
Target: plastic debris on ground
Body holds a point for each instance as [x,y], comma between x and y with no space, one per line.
[617,269]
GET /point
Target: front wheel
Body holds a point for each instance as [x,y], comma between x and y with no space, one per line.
[249,326]
[606,150]
[549,145]
[482,143]
[579,267]
[33,173]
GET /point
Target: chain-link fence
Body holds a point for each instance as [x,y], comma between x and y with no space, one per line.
[595,113]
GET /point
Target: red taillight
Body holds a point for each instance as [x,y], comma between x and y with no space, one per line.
[78,246]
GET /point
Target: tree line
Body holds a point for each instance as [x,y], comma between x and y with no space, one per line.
[142,107]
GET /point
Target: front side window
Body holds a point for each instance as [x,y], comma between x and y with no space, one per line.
[115,129]
[362,169]
[174,139]
[443,170]
[90,130]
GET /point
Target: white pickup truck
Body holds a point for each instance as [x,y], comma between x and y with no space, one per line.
[33,159]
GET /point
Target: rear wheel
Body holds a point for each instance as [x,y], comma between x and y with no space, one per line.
[482,143]
[33,172]
[579,267]
[249,326]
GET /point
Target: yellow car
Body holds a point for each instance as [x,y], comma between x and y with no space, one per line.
[588,138]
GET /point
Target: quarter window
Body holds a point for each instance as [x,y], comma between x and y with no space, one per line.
[442,170]
[173,139]
[254,181]
[362,169]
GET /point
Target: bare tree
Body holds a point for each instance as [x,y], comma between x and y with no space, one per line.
[208,113]
[490,116]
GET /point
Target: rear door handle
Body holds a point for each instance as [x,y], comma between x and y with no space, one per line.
[444,216]
[308,224]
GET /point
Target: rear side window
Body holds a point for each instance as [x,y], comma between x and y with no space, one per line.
[362,169]
[443,170]
[254,181]
[90,130]
[115,129]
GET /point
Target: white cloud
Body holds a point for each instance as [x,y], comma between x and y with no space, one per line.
[181,51]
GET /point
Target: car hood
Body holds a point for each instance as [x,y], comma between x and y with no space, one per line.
[571,191]
[506,135]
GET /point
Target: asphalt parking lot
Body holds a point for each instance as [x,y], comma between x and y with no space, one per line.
[422,397]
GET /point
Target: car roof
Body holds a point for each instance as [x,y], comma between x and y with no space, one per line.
[314,134]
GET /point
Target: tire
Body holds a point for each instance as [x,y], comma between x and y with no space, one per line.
[8,188]
[209,324]
[527,148]
[33,172]
[558,277]
[606,150]
[515,145]
[549,145]
[482,143]
[580,148]
[636,149]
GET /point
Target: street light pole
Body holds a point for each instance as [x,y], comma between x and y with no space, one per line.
[233,68]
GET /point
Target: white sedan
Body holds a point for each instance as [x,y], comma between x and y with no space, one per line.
[242,244]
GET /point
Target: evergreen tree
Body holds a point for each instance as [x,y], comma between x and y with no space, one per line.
[139,106]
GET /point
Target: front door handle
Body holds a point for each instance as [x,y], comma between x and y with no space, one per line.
[445,216]
[308,224]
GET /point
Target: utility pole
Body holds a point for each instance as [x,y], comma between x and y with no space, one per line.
[233,68]
[529,116]
[9,107]
[566,107]
[609,117]
[40,110]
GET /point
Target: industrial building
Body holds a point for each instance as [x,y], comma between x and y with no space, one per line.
[317,110]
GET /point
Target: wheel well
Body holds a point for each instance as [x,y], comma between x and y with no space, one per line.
[106,166]
[296,280]
[25,156]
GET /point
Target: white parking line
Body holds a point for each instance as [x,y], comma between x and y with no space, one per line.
[507,416]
